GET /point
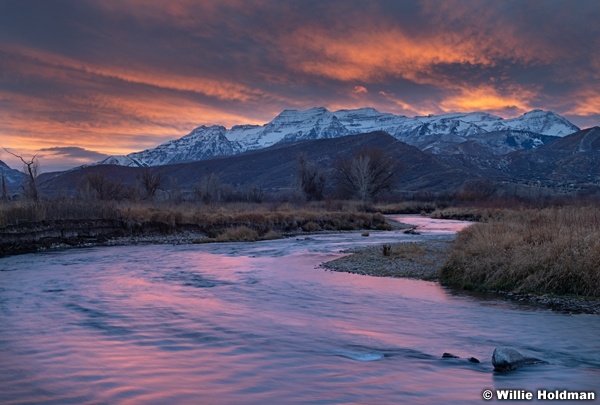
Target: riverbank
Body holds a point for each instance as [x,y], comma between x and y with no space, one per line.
[423,260]
[62,234]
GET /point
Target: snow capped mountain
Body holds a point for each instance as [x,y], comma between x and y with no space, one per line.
[202,143]
[292,126]
[433,132]
[542,122]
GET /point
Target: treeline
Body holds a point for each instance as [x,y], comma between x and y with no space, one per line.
[152,186]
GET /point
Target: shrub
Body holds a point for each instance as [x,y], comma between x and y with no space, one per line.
[238,234]
[311,226]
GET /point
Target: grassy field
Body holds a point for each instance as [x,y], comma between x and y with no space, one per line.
[551,250]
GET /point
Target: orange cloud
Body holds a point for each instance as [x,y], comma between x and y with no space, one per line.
[360,90]
[117,125]
[102,117]
[371,55]
[488,98]
[586,103]
[40,62]
[406,108]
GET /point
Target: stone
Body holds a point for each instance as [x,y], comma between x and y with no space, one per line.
[508,358]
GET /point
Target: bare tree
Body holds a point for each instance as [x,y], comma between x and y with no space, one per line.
[209,188]
[255,194]
[31,168]
[104,188]
[312,180]
[477,189]
[174,194]
[367,174]
[150,182]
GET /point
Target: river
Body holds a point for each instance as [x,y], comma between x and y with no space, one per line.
[261,323]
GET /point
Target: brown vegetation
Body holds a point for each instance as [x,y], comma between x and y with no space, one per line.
[224,222]
[552,250]
[240,234]
[21,213]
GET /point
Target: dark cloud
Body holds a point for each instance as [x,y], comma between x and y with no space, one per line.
[107,74]
[74,152]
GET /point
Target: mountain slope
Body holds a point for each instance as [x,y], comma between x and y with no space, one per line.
[573,159]
[571,162]
[14,178]
[274,168]
[434,133]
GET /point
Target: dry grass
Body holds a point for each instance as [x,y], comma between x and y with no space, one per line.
[238,234]
[409,251]
[406,207]
[553,250]
[471,213]
[212,220]
[25,212]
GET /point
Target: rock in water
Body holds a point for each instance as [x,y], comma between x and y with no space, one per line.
[507,358]
[453,356]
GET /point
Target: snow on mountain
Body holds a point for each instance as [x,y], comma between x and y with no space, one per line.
[292,126]
[432,132]
[542,122]
[120,160]
[202,143]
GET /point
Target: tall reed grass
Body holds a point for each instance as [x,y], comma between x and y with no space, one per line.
[552,250]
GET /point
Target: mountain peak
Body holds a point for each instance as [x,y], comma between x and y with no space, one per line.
[433,132]
[363,110]
[300,113]
[207,128]
[542,122]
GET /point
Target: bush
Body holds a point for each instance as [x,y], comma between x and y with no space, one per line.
[311,227]
[239,234]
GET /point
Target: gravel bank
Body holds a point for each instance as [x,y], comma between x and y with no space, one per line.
[422,260]
[409,259]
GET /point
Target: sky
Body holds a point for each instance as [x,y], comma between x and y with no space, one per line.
[80,80]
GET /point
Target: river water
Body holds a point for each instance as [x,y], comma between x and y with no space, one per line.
[260,323]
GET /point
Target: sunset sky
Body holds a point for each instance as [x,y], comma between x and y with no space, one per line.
[80,80]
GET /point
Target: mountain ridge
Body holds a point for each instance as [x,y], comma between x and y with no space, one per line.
[571,162]
[13,177]
[432,132]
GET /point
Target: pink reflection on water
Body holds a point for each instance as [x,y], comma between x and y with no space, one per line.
[432,225]
[251,324]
